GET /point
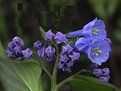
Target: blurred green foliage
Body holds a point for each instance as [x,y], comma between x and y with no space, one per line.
[104,8]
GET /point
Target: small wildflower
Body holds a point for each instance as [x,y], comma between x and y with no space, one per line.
[96,50]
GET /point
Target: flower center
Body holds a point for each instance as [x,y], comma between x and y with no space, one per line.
[97,51]
[95,31]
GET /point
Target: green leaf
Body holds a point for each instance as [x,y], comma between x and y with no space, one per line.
[24,76]
[85,83]
[2,51]
[42,32]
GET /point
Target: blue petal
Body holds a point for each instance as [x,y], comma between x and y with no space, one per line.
[82,43]
[87,29]
[76,33]
[100,26]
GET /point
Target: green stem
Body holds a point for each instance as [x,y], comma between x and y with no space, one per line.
[54,75]
[48,73]
[40,82]
[70,78]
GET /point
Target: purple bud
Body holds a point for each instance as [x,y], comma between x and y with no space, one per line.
[66,49]
[18,50]
[27,53]
[97,72]
[18,41]
[10,54]
[74,56]
[41,52]
[104,78]
[60,65]
[59,38]
[37,44]
[11,45]
[20,58]
[49,35]
[68,69]
[70,64]
[50,51]
[106,71]
[93,65]
[63,58]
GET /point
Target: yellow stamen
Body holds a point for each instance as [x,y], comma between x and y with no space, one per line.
[96,54]
[97,51]
[95,31]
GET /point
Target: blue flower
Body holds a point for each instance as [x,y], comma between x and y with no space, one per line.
[49,35]
[94,30]
[96,50]
[60,37]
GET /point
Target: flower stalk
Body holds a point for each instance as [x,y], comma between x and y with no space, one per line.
[55,70]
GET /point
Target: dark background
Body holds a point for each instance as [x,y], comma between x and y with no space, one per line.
[23,18]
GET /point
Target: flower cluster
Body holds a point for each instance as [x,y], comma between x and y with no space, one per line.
[102,74]
[45,52]
[92,41]
[16,49]
[67,58]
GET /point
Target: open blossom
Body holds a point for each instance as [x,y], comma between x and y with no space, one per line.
[16,49]
[67,58]
[94,30]
[96,50]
